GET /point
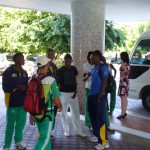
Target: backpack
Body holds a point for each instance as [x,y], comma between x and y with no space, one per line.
[35,100]
[110,81]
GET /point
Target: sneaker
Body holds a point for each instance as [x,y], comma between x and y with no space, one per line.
[102,146]
[110,129]
[99,147]
[81,135]
[20,146]
[94,139]
[106,145]
[66,133]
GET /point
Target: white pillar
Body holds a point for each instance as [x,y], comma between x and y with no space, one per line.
[87,34]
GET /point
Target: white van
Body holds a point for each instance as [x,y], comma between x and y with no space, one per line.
[140,70]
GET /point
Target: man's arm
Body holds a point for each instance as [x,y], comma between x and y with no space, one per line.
[58,104]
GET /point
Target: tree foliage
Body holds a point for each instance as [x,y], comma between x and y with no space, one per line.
[34,31]
[113,37]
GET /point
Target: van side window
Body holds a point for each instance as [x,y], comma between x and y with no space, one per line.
[141,54]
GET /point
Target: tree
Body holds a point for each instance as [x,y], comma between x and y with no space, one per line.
[35,31]
[113,37]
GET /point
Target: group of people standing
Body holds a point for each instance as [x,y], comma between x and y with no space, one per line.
[96,101]
[62,84]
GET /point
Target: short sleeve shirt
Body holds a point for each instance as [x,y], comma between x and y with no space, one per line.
[96,82]
[67,78]
[87,68]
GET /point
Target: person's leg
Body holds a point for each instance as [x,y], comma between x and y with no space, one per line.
[101,121]
[107,118]
[44,129]
[113,98]
[74,106]
[125,103]
[55,113]
[87,117]
[10,119]
[20,124]
[64,100]
[92,107]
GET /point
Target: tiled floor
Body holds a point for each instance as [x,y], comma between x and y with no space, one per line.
[117,141]
[137,119]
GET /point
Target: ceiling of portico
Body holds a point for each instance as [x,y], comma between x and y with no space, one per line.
[116,10]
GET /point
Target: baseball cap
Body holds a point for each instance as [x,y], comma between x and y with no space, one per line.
[42,60]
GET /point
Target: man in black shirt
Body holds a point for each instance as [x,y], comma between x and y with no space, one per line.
[66,78]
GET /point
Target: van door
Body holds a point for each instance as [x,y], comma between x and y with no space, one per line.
[139,76]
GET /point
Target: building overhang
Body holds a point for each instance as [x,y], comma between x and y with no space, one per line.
[115,10]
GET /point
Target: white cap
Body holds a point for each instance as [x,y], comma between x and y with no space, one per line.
[42,60]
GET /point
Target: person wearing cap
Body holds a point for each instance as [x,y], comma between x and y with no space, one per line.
[97,101]
[50,87]
[66,78]
[14,84]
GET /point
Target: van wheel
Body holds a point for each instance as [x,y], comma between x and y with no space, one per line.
[146,102]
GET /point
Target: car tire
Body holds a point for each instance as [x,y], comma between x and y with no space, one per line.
[146,101]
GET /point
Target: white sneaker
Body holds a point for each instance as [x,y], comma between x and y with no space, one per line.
[106,145]
[20,146]
[99,147]
[102,146]
[66,133]
[81,134]
[94,139]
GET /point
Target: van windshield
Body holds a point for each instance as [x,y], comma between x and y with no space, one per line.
[141,54]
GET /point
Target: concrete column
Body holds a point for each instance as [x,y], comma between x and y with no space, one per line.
[87,34]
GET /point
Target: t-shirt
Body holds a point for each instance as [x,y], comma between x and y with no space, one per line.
[52,70]
[96,82]
[87,68]
[67,78]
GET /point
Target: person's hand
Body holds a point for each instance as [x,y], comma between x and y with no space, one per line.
[21,87]
[74,95]
[32,120]
[58,104]
[89,74]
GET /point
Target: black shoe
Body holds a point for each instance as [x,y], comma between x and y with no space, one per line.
[90,128]
[52,137]
[122,116]
[110,130]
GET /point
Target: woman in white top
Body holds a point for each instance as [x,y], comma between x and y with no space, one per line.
[87,67]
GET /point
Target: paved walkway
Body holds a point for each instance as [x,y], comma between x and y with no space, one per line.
[119,140]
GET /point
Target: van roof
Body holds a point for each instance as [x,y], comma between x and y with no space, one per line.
[146,34]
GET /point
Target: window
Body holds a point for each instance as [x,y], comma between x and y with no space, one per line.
[141,54]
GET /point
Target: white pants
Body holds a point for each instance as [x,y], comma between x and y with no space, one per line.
[67,101]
